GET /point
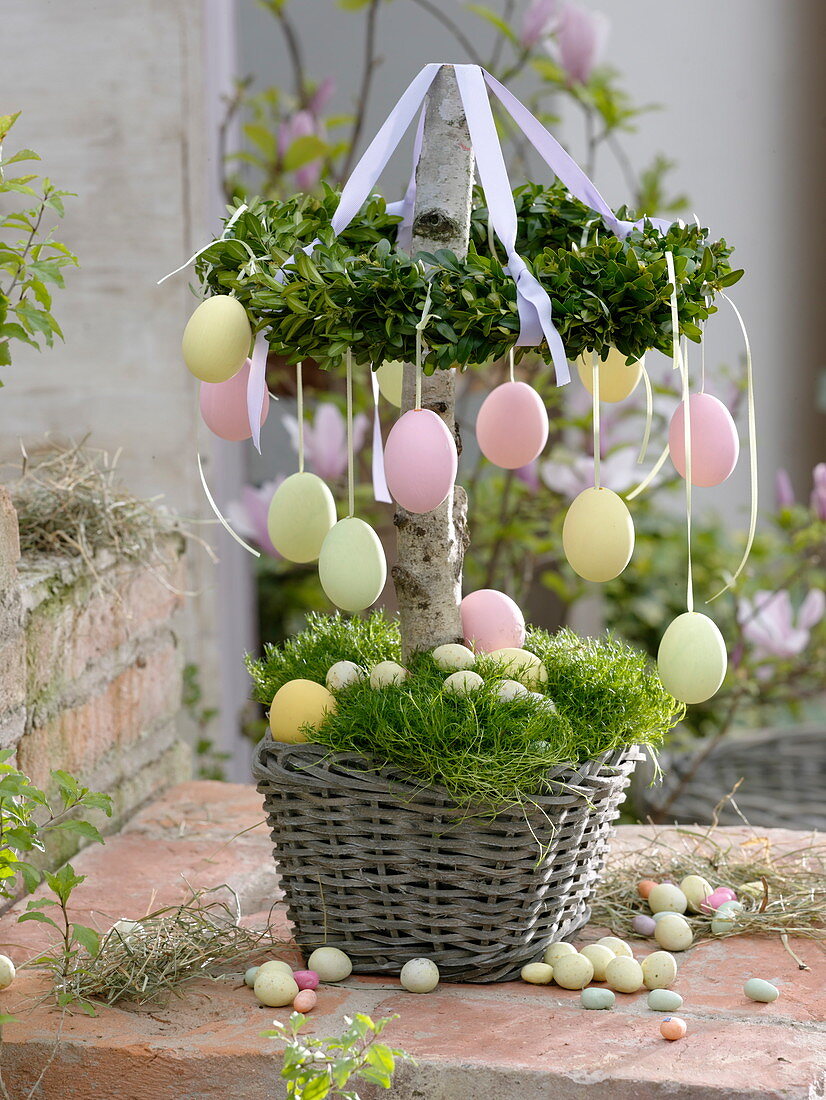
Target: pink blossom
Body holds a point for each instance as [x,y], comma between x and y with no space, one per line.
[771,627]
[529,475]
[322,96]
[783,491]
[248,516]
[538,22]
[325,440]
[580,39]
[818,497]
[301,124]
[618,471]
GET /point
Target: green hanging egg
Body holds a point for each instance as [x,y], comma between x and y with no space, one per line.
[217,339]
[302,512]
[352,566]
[692,658]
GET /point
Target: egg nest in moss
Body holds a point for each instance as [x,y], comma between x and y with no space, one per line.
[480,748]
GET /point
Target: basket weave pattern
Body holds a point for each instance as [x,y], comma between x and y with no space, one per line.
[388,870]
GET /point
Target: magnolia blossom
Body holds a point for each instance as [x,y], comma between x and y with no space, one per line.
[529,475]
[618,471]
[579,41]
[818,497]
[783,491]
[248,516]
[538,22]
[305,123]
[325,440]
[772,628]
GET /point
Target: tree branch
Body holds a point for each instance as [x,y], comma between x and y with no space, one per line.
[370,64]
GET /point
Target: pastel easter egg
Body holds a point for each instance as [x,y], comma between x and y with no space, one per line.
[673,1028]
[216,339]
[616,380]
[452,657]
[696,889]
[305,1000]
[573,971]
[757,989]
[390,376]
[643,925]
[352,566]
[491,620]
[664,1000]
[521,664]
[692,658]
[659,969]
[645,887]
[595,998]
[715,445]
[673,932]
[507,690]
[297,705]
[599,956]
[512,425]
[557,950]
[306,979]
[224,406]
[386,673]
[330,964]
[598,535]
[537,973]
[301,515]
[667,896]
[624,974]
[420,461]
[463,683]
[714,899]
[618,946]
[343,674]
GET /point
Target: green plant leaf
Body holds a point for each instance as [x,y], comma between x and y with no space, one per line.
[304,150]
[87,937]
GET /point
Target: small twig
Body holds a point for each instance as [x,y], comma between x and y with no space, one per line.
[454,29]
[370,64]
[294,50]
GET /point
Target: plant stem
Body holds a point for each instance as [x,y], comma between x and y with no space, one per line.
[454,29]
[26,248]
[370,64]
[507,15]
[294,50]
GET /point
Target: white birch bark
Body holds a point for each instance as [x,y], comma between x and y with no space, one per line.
[431,547]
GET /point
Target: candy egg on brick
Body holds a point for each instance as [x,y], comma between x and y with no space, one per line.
[674,933]
[537,973]
[419,975]
[573,971]
[274,987]
[557,950]
[618,946]
[696,889]
[659,969]
[600,956]
[667,896]
[624,974]
[7,972]
[330,964]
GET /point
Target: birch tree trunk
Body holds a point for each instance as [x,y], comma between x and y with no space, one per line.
[431,547]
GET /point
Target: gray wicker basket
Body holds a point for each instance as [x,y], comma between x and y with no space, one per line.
[388,870]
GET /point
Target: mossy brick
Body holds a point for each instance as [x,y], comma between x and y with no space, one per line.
[12,674]
[9,536]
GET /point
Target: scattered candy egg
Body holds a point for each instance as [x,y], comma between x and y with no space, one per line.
[463,683]
[224,406]
[673,1028]
[521,665]
[419,975]
[659,969]
[645,887]
[696,890]
[618,946]
[643,924]
[624,974]
[250,975]
[512,425]
[510,689]
[274,986]
[279,962]
[491,621]
[754,890]
[759,990]
[692,658]
[714,899]
[217,339]
[306,979]
[537,973]
[723,890]
[674,933]
[390,377]
[342,674]
[595,998]
[296,705]
[453,657]
[600,956]
[725,919]
[666,896]
[352,567]
[330,964]
[616,380]
[385,673]
[125,929]
[656,917]
[302,513]
[715,446]
[7,972]
[557,950]
[573,971]
[305,1001]
[598,535]
[664,1000]
[420,461]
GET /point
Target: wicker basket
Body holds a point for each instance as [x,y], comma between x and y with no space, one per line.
[388,870]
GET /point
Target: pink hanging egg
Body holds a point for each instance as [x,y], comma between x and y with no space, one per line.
[491,620]
[512,425]
[420,461]
[715,446]
[224,406]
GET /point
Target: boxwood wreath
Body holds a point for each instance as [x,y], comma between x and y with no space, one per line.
[483,750]
[359,292]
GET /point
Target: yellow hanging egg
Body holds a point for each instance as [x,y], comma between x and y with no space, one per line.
[302,512]
[352,566]
[521,665]
[616,380]
[216,339]
[390,376]
[297,704]
[692,658]
[598,535]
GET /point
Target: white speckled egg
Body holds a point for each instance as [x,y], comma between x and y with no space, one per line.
[696,890]
[659,969]
[557,950]
[352,567]
[463,683]
[7,972]
[624,974]
[598,535]
[510,689]
[217,339]
[274,987]
[537,973]
[667,896]
[342,674]
[419,975]
[618,946]
[674,933]
[385,673]
[573,971]
[302,512]
[453,657]
[600,956]
[521,665]
[692,658]
[331,964]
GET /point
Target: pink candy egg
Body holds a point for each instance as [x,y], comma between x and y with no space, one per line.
[491,620]
[224,406]
[305,1000]
[717,898]
[727,891]
[715,445]
[305,979]
[512,425]
[420,461]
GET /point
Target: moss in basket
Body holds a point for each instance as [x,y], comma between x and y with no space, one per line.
[480,748]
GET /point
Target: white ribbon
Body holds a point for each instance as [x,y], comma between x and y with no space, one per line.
[236,215]
[257,387]
[380,491]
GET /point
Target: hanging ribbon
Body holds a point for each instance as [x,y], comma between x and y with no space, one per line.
[595,415]
[511,375]
[351,481]
[681,364]
[404,233]
[219,516]
[420,327]
[752,422]
[380,491]
[257,388]
[649,414]
[236,215]
[299,412]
